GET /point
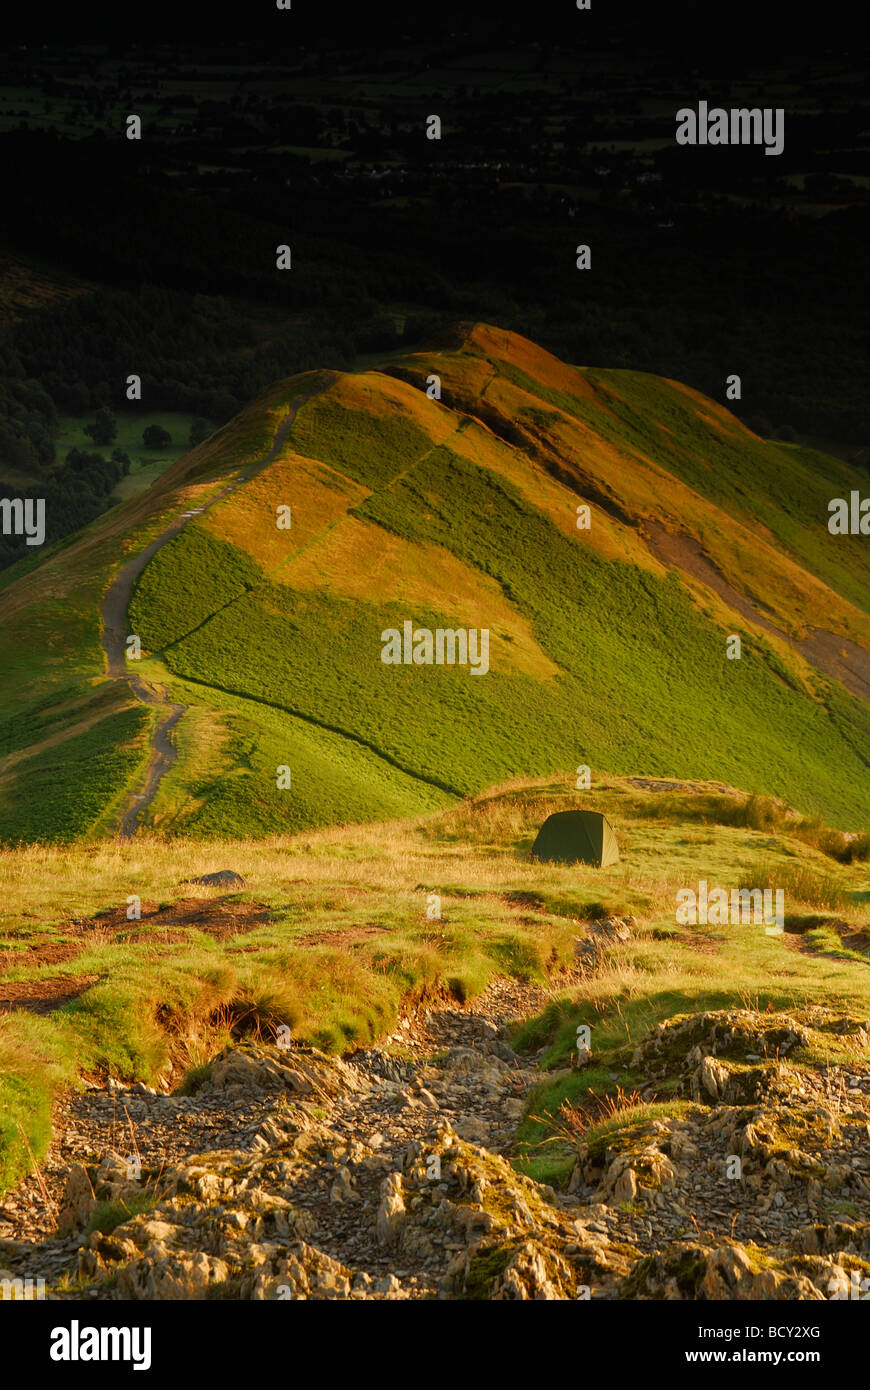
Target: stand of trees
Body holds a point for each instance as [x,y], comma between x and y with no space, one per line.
[74,494]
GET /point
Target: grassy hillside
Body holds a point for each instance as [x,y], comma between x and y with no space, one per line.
[608,645]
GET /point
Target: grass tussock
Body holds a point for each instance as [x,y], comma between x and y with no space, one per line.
[106,1216]
[767,813]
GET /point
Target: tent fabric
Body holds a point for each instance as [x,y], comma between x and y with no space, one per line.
[577,837]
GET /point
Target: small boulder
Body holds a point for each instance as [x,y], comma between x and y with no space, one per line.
[625,1187]
[224,878]
[391,1212]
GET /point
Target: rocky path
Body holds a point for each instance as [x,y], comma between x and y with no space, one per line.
[383,1175]
[113,615]
[384,1103]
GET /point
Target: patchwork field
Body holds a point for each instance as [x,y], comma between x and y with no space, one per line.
[285,556]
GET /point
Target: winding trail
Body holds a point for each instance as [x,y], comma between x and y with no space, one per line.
[113,615]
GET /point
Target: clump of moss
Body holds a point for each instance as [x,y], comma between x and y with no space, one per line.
[485,1268]
[687,1267]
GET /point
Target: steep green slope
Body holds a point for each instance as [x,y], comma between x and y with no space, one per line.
[641,666]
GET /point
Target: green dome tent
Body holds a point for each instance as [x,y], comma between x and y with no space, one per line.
[577,837]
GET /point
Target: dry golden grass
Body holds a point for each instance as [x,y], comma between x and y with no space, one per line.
[377,395]
[535,361]
[317,494]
